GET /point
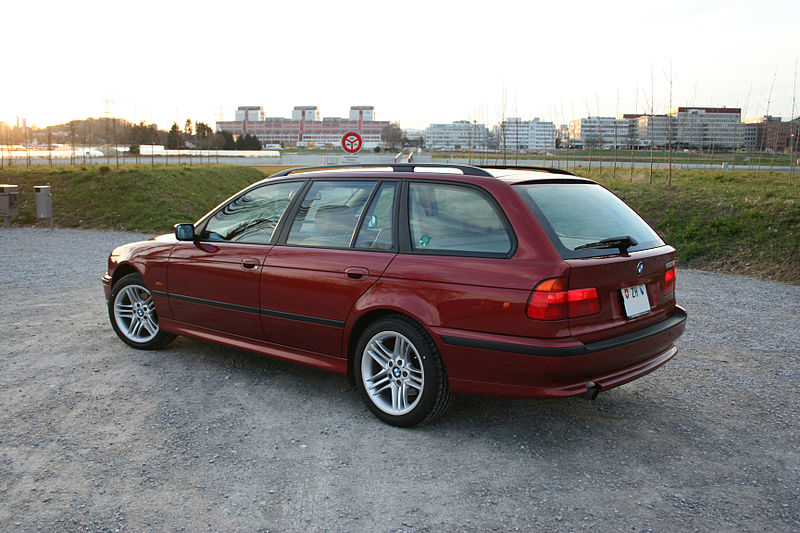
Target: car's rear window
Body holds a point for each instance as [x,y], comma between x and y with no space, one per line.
[579,214]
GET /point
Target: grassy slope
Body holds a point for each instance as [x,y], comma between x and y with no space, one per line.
[719,220]
[130,198]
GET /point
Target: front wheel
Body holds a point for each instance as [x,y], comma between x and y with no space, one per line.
[400,374]
[133,315]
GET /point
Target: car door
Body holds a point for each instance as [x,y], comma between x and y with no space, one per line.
[213,281]
[330,255]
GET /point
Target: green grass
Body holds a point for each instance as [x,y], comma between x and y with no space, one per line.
[134,198]
[729,221]
[623,157]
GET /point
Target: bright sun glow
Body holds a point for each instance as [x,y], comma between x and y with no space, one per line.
[417,63]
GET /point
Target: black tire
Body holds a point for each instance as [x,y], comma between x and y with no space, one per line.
[400,374]
[133,315]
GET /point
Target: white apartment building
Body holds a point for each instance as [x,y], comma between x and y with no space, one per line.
[305,113]
[600,132]
[527,135]
[655,131]
[251,113]
[459,135]
[709,127]
[362,112]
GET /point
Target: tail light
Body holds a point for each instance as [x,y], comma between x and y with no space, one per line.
[551,300]
[669,281]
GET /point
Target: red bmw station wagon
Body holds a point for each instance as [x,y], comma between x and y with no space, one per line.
[416,281]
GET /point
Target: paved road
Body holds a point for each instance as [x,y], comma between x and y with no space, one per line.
[96,436]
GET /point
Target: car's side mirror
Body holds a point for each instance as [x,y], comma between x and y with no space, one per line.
[184,232]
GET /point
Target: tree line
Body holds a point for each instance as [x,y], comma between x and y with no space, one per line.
[120,132]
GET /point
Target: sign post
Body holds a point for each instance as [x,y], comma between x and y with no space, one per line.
[352,144]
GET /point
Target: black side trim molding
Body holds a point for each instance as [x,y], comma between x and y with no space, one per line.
[677,318]
[255,310]
[304,318]
[214,303]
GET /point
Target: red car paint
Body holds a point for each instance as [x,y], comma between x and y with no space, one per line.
[309,304]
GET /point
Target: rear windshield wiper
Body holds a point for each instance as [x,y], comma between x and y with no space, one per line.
[623,243]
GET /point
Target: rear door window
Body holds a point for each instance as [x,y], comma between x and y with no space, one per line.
[580,214]
[454,219]
[377,229]
[328,214]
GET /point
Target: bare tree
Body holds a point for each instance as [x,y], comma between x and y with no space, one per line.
[634,130]
[616,119]
[516,131]
[740,134]
[72,143]
[669,127]
[588,138]
[764,124]
[569,135]
[652,121]
[600,137]
[2,144]
[795,127]
[503,126]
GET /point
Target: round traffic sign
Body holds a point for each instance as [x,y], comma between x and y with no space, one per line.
[351,142]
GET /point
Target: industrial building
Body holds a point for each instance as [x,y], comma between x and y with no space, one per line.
[305,128]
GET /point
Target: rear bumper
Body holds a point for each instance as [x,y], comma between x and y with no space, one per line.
[531,368]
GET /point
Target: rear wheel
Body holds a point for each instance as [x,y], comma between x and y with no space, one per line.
[400,374]
[133,315]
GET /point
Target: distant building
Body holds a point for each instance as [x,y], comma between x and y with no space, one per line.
[526,135]
[305,113]
[600,132]
[750,137]
[459,135]
[709,128]
[416,137]
[771,134]
[250,113]
[656,130]
[305,128]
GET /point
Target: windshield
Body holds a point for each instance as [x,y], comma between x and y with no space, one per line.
[579,214]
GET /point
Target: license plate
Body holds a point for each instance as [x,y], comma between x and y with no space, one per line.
[636,300]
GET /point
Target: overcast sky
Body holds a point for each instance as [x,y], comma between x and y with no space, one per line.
[416,62]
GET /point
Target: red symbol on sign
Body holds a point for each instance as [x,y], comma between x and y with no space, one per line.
[351,142]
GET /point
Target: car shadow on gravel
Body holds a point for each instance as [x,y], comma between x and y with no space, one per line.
[628,413]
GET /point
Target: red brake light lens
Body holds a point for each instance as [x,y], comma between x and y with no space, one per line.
[552,301]
[669,281]
[583,302]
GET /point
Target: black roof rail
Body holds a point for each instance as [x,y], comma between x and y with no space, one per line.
[468,170]
[551,170]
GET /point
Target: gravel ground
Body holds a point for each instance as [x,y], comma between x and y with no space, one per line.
[96,436]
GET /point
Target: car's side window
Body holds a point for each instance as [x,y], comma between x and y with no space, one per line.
[377,230]
[450,218]
[252,217]
[329,213]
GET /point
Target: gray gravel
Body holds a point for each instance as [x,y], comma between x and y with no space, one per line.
[96,436]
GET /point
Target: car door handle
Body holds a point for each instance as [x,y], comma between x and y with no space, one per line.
[250,263]
[356,272]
